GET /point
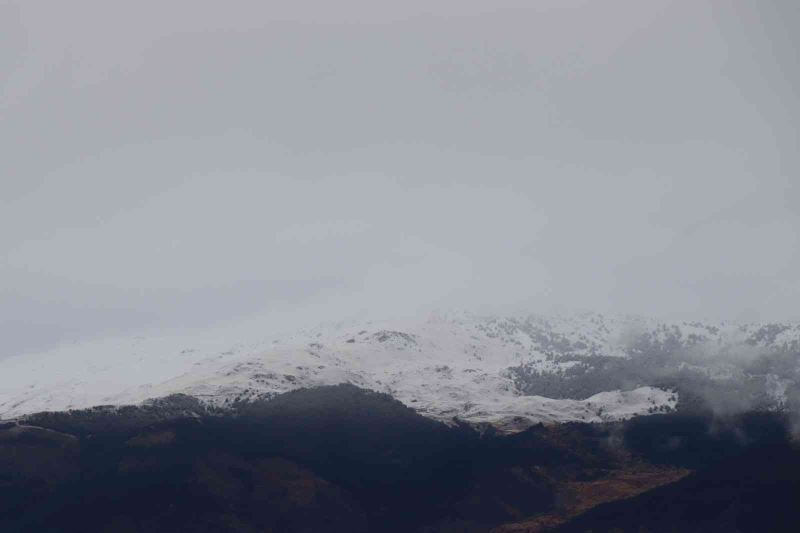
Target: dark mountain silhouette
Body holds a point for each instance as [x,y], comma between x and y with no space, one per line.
[345,459]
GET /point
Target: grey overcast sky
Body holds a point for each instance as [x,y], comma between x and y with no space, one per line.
[173,164]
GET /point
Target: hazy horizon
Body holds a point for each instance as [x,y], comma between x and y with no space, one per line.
[171,166]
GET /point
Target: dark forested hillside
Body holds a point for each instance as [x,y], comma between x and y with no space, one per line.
[343,459]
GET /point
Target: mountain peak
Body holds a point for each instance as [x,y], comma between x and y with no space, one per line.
[508,371]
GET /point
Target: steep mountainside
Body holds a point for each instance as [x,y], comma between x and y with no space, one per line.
[344,459]
[326,459]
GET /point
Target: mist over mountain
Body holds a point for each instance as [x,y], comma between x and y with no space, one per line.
[505,371]
[441,266]
[454,422]
[166,171]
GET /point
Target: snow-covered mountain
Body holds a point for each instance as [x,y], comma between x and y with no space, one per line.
[506,371]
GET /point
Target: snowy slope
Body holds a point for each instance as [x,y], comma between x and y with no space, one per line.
[444,366]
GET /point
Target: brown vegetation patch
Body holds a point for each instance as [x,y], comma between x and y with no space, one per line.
[576,497]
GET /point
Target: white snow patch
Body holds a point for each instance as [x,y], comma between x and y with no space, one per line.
[444,366]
